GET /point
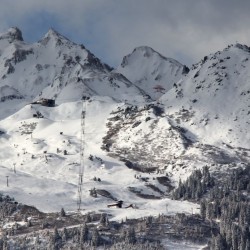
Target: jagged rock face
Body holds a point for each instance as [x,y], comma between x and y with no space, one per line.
[148,69]
[147,139]
[57,68]
[13,34]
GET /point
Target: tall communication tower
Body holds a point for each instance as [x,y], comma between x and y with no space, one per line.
[82,148]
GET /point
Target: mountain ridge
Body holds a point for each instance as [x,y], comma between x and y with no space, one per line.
[215,87]
[48,67]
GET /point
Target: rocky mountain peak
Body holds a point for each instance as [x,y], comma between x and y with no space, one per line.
[147,53]
[238,46]
[147,68]
[56,67]
[242,47]
[223,60]
[55,37]
[12,34]
[53,33]
[146,50]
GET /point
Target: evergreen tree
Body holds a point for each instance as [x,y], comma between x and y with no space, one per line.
[218,244]
[55,242]
[1,243]
[88,218]
[247,247]
[84,231]
[123,234]
[103,219]
[130,236]
[65,235]
[203,209]
[95,237]
[62,213]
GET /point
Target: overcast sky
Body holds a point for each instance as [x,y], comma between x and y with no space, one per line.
[185,30]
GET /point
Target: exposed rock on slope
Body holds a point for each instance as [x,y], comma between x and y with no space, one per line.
[148,140]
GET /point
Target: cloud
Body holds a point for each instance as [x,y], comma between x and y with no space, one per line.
[184,30]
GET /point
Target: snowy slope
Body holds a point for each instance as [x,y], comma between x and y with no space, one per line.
[138,149]
[146,68]
[202,120]
[47,178]
[213,102]
[148,139]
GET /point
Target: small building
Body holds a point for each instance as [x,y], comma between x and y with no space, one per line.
[118,204]
[45,102]
[48,102]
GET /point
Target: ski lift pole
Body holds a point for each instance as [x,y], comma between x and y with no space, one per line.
[7,180]
[81,167]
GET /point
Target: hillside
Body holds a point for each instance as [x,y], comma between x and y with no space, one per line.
[216,98]
[202,120]
[135,149]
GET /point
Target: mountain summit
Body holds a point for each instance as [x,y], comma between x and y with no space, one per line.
[216,97]
[13,34]
[147,69]
[52,36]
[57,68]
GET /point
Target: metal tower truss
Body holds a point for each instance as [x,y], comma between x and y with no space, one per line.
[82,149]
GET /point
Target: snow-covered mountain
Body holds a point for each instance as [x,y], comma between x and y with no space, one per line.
[148,69]
[139,150]
[203,119]
[57,68]
[213,101]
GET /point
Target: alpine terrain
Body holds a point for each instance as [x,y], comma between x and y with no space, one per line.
[144,156]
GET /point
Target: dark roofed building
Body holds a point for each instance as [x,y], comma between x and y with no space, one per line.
[45,102]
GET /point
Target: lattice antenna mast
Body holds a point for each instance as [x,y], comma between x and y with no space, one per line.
[82,148]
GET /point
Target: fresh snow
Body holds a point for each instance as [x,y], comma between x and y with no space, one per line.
[204,121]
[216,92]
[55,67]
[147,68]
[177,245]
[50,184]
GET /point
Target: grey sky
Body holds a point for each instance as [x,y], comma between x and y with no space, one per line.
[185,30]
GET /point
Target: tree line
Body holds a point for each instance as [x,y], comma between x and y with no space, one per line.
[225,203]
